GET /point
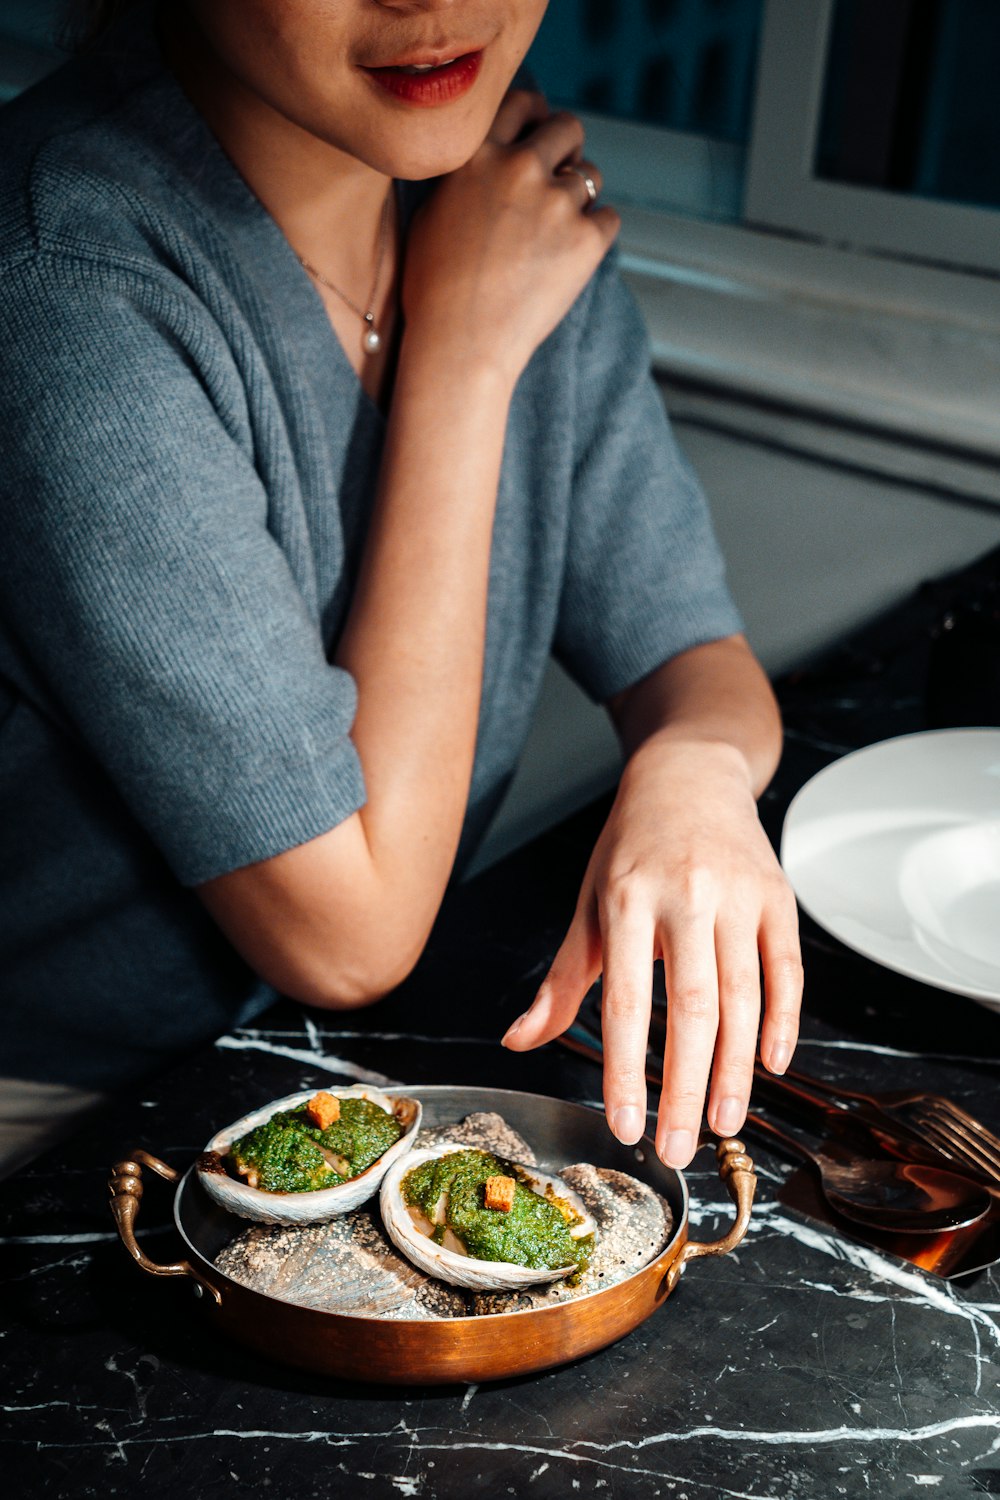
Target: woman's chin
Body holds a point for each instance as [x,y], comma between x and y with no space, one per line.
[404,141]
[421,168]
[417,160]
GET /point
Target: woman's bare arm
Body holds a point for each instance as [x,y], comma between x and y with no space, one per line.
[341,919]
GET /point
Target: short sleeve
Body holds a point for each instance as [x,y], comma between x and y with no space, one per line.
[141,583]
[644,576]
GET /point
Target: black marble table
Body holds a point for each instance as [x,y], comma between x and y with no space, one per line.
[802,1365]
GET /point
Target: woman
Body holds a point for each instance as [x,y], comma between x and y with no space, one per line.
[306,476]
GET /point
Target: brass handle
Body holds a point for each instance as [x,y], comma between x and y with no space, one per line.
[125,1188]
[736,1171]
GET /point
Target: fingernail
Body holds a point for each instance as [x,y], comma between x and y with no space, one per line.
[628,1122]
[511,1031]
[779,1057]
[729,1116]
[678,1148]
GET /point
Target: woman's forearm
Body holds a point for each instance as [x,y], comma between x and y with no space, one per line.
[415,635]
[713,695]
[341,919]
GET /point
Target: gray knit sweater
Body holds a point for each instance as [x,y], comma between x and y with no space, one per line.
[188,469]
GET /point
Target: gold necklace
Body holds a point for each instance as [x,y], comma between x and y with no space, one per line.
[373,339]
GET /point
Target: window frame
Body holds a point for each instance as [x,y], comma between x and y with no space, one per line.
[782,189]
[812,338]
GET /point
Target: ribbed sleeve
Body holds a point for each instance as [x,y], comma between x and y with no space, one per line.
[141,580]
[644,578]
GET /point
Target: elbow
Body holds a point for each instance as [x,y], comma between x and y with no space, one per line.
[312,950]
[344,986]
[342,992]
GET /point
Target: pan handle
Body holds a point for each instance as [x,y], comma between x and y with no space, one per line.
[125,1187]
[736,1171]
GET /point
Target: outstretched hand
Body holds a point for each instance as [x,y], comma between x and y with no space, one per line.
[684,872]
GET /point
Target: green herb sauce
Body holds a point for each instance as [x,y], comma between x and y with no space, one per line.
[285,1150]
[534,1233]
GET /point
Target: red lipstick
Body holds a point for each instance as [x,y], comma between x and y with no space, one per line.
[427,84]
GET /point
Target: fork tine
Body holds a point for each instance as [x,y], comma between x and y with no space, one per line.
[946,1145]
[960,1147]
[954,1119]
[939,1105]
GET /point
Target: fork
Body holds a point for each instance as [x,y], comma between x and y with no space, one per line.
[915,1116]
[957,1135]
[943,1124]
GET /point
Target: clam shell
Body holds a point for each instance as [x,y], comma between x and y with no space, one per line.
[449,1265]
[304,1208]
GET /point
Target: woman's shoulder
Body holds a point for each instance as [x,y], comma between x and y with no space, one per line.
[80,169]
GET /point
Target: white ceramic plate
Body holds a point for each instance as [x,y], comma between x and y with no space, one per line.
[895,850]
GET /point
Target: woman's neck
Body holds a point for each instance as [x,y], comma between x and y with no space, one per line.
[310,188]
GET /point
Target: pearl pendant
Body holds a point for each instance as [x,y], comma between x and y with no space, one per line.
[372,341]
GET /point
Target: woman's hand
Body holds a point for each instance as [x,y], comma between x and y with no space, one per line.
[505,245]
[684,872]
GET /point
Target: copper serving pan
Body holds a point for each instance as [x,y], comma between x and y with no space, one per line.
[473,1349]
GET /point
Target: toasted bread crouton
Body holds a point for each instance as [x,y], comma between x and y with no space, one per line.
[324,1110]
[500,1193]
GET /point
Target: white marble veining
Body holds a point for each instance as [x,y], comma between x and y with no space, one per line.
[874,1049]
[581,1453]
[330,1034]
[312,1058]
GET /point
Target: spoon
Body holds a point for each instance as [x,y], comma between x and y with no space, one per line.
[899,1197]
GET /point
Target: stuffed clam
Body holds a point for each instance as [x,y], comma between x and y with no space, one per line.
[309,1156]
[476,1220]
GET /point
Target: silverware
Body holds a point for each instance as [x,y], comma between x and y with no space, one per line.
[915,1114]
[929,1117]
[961,1138]
[955,1255]
[860,1125]
[895,1197]
[925,1126]
[891,1196]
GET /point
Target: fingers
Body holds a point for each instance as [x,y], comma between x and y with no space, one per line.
[557,142]
[607,222]
[520,111]
[583,179]
[741,948]
[739,1016]
[574,969]
[558,139]
[573,177]
[627,932]
[782,962]
[712,960]
[692,1022]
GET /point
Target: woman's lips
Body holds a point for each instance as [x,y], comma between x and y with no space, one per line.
[439,84]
